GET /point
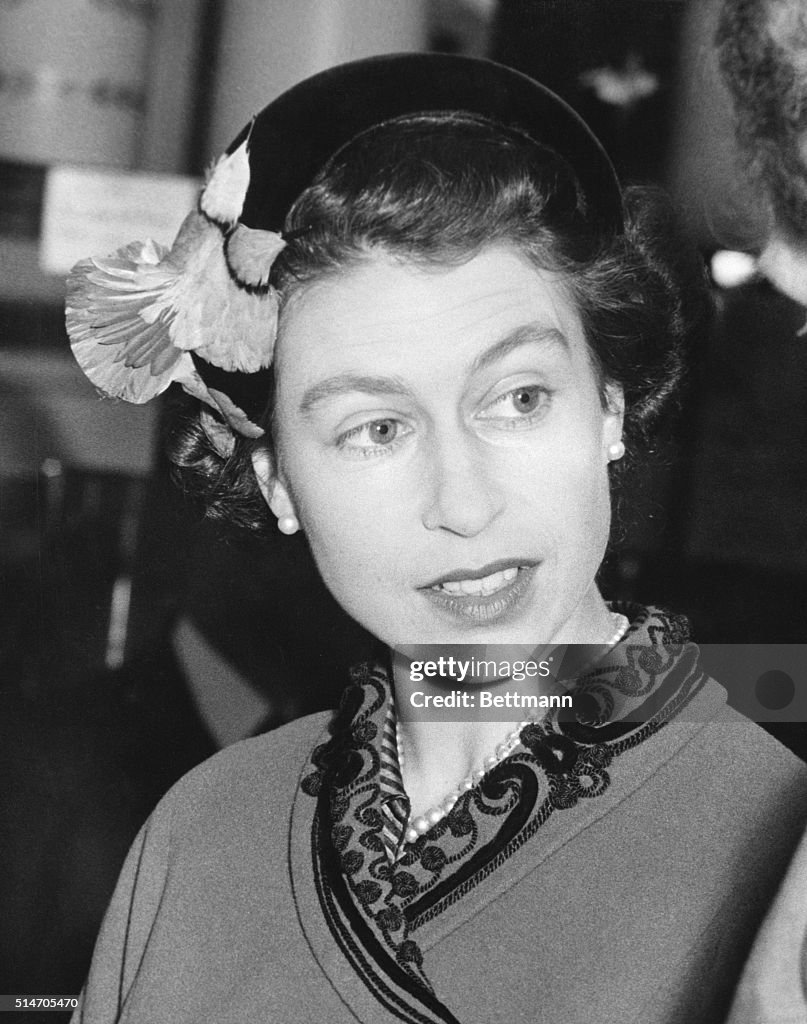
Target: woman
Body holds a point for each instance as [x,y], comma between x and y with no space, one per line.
[471,326]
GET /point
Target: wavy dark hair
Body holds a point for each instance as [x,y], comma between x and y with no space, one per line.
[437,189]
[761,45]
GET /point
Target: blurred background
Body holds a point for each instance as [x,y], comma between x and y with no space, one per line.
[135,640]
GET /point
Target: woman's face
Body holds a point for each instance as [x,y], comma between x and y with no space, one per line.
[441,438]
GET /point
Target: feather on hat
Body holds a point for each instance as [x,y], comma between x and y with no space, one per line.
[134,318]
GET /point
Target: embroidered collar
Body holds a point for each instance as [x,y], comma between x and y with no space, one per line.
[565,759]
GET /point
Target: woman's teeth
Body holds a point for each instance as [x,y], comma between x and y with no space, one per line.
[484,586]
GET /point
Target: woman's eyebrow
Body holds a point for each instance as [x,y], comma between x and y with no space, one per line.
[527,334]
[346,383]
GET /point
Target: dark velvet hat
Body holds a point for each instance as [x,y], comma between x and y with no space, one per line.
[203,313]
[294,136]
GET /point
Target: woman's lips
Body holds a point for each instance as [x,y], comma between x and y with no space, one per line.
[485,594]
[486,585]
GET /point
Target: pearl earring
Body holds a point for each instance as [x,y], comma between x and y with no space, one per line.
[616,451]
[288,524]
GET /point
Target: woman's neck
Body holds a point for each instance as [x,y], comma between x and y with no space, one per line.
[438,756]
[445,731]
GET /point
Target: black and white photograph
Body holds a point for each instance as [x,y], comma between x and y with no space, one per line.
[403,555]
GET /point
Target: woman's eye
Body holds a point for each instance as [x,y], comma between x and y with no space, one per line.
[382,431]
[526,399]
[372,437]
[520,405]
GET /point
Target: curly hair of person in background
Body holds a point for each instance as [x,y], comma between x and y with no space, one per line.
[762,46]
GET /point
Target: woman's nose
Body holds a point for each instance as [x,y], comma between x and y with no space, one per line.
[462,497]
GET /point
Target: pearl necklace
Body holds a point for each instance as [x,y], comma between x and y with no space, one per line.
[421,824]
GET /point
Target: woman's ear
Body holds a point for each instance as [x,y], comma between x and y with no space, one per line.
[614,414]
[274,492]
